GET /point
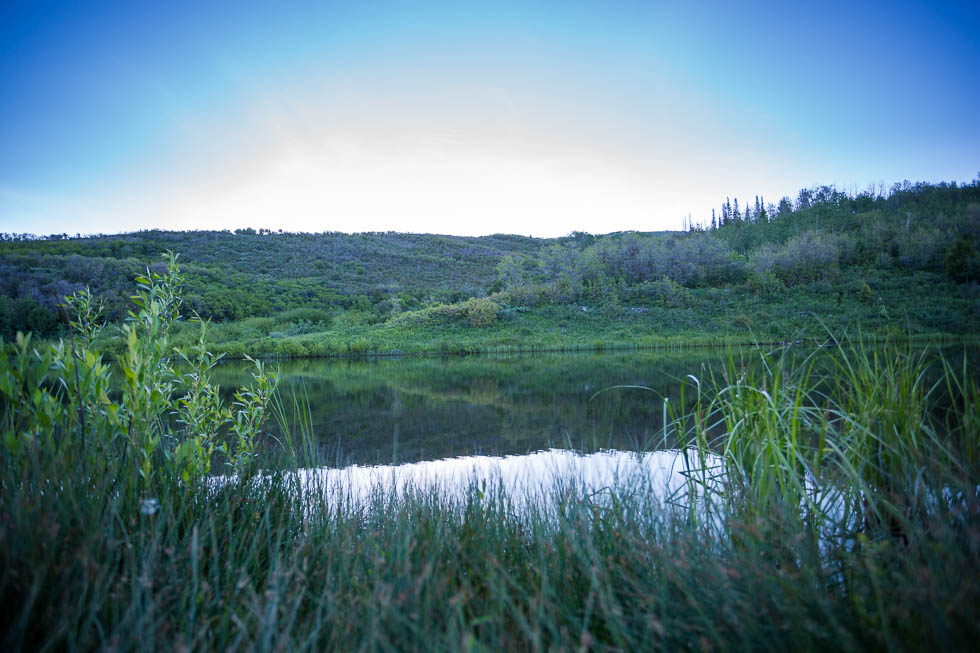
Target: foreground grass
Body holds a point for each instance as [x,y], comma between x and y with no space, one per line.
[265,566]
[848,518]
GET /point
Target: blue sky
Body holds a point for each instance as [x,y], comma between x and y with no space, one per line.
[469,118]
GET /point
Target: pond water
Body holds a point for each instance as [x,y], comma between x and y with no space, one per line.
[537,479]
[385,411]
[522,423]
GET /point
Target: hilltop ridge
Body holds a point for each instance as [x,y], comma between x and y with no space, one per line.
[906,259]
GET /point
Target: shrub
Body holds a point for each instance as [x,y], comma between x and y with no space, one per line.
[527,295]
[311,315]
[961,262]
[809,257]
[481,312]
[297,329]
[866,294]
[922,249]
[703,260]
[664,292]
[765,283]
[446,313]
[168,419]
[28,316]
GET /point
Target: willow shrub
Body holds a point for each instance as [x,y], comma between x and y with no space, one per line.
[167,418]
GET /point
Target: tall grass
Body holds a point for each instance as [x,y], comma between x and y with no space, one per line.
[294,416]
[867,432]
[269,564]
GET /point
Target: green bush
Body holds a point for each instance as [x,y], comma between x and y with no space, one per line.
[168,418]
[663,292]
[311,315]
[481,312]
[962,263]
[765,284]
[28,316]
[811,256]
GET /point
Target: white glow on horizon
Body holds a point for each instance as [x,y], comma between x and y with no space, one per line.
[463,161]
[465,194]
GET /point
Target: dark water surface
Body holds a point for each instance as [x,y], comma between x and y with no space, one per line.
[399,410]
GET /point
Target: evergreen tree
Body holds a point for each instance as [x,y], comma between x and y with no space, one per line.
[736,215]
[714,222]
[804,200]
[785,207]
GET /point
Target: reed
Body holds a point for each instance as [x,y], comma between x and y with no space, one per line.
[270,564]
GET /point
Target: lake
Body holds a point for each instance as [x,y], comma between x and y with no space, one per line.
[526,422]
[404,410]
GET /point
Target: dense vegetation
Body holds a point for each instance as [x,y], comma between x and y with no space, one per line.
[906,260]
[840,510]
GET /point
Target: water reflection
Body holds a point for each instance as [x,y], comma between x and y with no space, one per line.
[381,411]
[529,479]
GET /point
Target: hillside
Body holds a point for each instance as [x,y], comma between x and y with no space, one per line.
[904,260]
[231,276]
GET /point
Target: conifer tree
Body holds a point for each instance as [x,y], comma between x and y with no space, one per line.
[785,206]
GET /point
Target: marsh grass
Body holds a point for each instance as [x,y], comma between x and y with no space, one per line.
[870,430]
[269,564]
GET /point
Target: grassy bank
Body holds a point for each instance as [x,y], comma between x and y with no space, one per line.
[924,306]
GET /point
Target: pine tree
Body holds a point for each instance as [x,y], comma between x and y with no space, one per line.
[785,206]
[714,222]
[736,216]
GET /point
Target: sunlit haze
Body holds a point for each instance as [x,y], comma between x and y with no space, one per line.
[528,118]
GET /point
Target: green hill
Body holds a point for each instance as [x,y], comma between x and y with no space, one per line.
[906,260]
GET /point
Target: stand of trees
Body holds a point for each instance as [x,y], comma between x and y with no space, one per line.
[914,227]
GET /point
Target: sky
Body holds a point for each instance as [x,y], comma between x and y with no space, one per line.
[469,118]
